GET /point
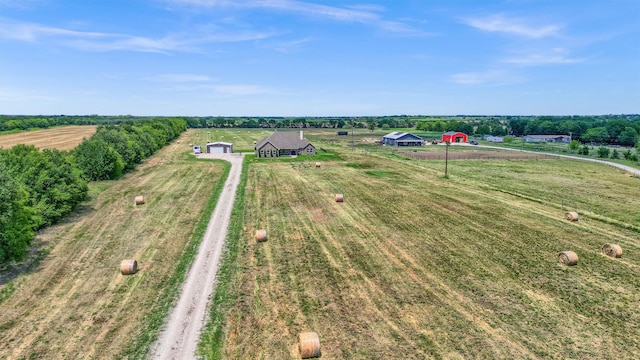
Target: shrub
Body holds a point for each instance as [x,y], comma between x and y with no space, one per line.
[603,152]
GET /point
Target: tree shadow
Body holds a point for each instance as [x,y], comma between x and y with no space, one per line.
[39,249]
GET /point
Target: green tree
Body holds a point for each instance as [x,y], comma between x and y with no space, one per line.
[597,134]
[385,127]
[371,126]
[98,161]
[16,231]
[615,154]
[574,145]
[603,152]
[628,137]
[584,150]
[483,129]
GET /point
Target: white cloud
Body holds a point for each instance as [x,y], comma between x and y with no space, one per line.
[15,95]
[555,56]
[241,89]
[489,77]
[100,41]
[364,14]
[515,26]
[182,78]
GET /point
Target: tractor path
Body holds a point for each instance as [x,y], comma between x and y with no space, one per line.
[180,335]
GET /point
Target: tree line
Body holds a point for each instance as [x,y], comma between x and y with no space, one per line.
[38,188]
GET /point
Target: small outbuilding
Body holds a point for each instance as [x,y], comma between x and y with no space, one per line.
[454,137]
[400,138]
[219,148]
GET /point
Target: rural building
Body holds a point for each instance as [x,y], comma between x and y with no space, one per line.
[496,139]
[283,144]
[399,138]
[548,138]
[454,137]
[219,148]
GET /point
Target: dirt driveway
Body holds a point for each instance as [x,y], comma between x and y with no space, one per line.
[180,335]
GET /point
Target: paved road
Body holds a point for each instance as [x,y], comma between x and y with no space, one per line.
[634,171]
[179,337]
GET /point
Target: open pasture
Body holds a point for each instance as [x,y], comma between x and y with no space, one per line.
[412,265]
[61,138]
[76,304]
[242,139]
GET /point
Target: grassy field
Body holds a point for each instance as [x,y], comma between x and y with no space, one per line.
[413,265]
[75,304]
[61,138]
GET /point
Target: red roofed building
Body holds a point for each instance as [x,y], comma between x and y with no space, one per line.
[454,137]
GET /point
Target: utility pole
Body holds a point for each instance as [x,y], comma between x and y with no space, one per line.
[446,160]
[352,127]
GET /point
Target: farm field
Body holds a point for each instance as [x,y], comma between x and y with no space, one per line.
[61,138]
[412,265]
[75,304]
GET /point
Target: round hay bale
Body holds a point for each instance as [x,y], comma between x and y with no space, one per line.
[261,235]
[571,216]
[128,267]
[139,200]
[568,258]
[339,198]
[309,345]
[612,250]
[317,165]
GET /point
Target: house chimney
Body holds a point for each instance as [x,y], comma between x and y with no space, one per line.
[301,136]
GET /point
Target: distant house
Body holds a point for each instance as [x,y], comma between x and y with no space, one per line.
[495,139]
[219,148]
[283,144]
[400,138]
[548,138]
[454,137]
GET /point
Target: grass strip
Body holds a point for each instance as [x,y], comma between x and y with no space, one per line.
[140,345]
[212,339]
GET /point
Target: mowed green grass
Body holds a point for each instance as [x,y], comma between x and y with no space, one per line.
[413,265]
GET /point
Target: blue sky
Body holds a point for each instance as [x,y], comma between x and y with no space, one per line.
[319,58]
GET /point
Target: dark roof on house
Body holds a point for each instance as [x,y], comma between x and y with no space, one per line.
[284,140]
[399,134]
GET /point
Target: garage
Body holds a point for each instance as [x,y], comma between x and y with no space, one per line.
[219,148]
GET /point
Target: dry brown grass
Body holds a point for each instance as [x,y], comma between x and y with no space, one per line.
[416,266]
[77,305]
[61,138]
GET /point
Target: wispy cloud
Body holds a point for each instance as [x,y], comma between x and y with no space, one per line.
[102,41]
[182,78]
[512,25]
[489,77]
[364,14]
[241,89]
[555,56]
[205,85]
[16,95]
[285,46]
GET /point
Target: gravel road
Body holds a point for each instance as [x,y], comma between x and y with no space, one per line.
[629,169]
[180,335]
